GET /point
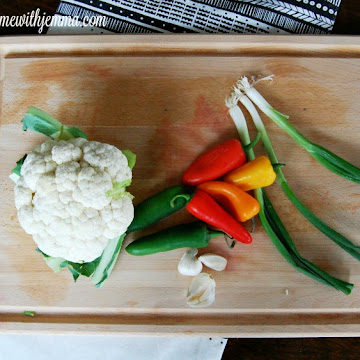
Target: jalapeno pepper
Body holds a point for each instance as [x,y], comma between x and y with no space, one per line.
[241,205]
[215,163]
[205,208]
[196,235]
[157,207]
[255,174]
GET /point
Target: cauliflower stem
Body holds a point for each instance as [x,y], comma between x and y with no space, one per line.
[107,261]
[43,123]
[77,269]
[99,269]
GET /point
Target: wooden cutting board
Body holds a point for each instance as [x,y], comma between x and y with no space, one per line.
[163,98]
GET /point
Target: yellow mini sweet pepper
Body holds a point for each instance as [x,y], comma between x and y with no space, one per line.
[254,174]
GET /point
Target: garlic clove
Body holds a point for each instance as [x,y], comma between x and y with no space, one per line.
[189,265]
[212,261]
[201,292]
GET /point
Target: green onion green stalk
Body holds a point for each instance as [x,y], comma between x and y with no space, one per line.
[271,221]
[325,157]
[332,234]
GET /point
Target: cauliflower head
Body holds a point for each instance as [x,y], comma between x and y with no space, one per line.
[62,202]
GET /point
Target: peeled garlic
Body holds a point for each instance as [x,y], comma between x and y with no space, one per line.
[189,265]
[201,292]
[212,261]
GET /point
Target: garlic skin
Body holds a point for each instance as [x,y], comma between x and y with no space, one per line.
[189,265]
[214,262]
[201,292]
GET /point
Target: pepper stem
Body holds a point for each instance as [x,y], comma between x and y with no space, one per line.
[230,246]
[213,234]
[252,225]
[187,197]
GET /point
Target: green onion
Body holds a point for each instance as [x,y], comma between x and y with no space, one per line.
[325,157]
[332,234]
[271,221]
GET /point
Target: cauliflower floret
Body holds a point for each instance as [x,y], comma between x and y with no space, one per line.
[46,147]
[78,142]
[108,158]
[67,176]
[23,195]
[114,215]
[61,197]
[65,151]
[92,185]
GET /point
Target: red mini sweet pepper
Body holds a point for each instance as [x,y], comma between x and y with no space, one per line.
[205,208]
[215,163]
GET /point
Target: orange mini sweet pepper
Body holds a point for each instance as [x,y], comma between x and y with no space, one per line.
[241,205]
[254,174]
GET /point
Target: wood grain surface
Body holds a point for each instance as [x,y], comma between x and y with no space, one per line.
[168,118]
[348,22]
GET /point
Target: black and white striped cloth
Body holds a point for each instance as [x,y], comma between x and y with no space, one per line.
[203,16]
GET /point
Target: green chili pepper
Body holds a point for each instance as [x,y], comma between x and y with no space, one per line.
[157,207]
[193,235]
